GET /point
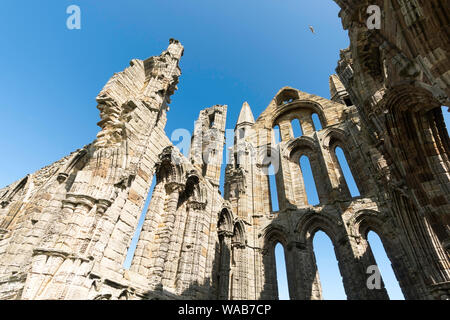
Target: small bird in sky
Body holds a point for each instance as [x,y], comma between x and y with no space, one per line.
[312,29]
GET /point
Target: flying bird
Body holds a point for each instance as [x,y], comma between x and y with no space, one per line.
[312,29]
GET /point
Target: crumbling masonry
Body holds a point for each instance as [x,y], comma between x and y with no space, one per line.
[65,229]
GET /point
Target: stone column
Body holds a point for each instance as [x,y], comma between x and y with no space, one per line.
[286,130]
[174,269]
[353,271]
[164,235]
[307,123]
[183,273]
[303,276]
[224,265]
[361,264]
[269,283]
[240,272]
[192,262]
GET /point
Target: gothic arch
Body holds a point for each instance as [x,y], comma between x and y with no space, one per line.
[12,202]
[273,234]
[239,270]
[297,106]
[404,268]
[239,235]
[413,98]
[415,116]
[306,229]
[296,148]
[225,222]
[331,136]
[225,229]
[366,220]
[77,163]
[124,295]
[106,296]
[286,95]
[170,168]
[306,146]
[334,138]
[18,188]
[312,222]
[194,191]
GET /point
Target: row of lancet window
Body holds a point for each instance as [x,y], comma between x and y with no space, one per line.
[297,128]
[310,181]
[328,268]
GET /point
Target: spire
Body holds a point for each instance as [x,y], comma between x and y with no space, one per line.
[336,86]
[246,115]
[338,92]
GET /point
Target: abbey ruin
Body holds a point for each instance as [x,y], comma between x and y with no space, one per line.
[65,230]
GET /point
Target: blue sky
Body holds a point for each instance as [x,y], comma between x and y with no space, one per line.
[235,51]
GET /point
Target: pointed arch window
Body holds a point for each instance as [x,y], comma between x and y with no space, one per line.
[276,135]
[239,234]
[345,169]
[309,182]
[348,102]
[446,113]
[316,121]
[241,133]
[211,119]
[132,248]
[385,267]
[296,128]
[328,268]
[273,187]
[280,263]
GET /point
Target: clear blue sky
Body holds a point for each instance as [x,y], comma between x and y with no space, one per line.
[235,51]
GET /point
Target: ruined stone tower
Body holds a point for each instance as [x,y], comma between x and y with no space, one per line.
[65,230]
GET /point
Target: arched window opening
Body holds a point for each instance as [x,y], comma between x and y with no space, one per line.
[446,113]
[348,102]
[328,267]
[134,241]
[384,266]
[225,221]
[280,261]
[204,168]
[241,133]
[273,188]
[287,96]
[239,234]
[316,121]
[351,184]
[276,135]
[296,128]
[309,182]
[211,120]
[236,159]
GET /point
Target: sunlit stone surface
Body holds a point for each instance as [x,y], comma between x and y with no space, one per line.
[65,229]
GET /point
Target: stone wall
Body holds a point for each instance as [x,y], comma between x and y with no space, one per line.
[345,219]
[65,230]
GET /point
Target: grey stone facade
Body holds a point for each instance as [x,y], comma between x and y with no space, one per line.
[65,230]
